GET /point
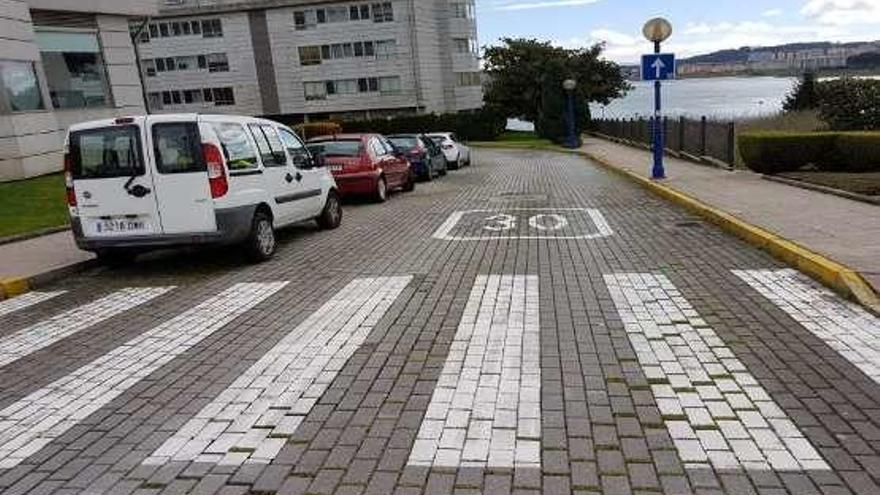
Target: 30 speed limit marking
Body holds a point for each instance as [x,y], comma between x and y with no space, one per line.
[524,223]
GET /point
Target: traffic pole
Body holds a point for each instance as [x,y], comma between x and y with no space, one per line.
[658,171]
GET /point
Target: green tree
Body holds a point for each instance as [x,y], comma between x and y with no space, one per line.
[526,78]
[804,96]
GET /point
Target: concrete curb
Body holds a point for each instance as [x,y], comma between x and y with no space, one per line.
[16,286]
[824,189]
[835,275]
[33,235]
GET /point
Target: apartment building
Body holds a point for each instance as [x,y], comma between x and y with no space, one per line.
[61,62]
[312,59]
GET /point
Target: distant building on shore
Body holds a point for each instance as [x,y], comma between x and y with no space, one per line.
[793,58]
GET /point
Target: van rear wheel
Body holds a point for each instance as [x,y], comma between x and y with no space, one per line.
[260,244]
[331,215]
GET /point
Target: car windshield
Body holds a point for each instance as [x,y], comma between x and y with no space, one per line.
[349,147]
[406,142]
[107,152]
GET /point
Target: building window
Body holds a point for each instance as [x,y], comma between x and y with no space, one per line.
[468,78]
[386,49]
[368,84]
[315,91]
[383,12]
[389,84]
[224,97]
[74,68]
[321,15]
[463,10]
[217,62]
[346,86]
[163,30]
[465,45]
[212,28]
[337,14]
[195,27]
[154,101]
[305,19]
[175,29]
[21,86]
[309,55]
[154,31]
[149,67]
[160,65]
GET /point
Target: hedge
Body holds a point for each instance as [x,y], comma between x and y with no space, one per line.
[858,151]
[775,152]
[482,125]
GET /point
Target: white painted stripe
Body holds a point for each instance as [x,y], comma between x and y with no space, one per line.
[34,421]
[45,333]
[444,232]
[486,408]
[26,300]
[253,417]
[715,410]
[845,327]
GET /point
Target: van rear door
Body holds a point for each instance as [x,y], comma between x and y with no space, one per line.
[183,193]
[113,187]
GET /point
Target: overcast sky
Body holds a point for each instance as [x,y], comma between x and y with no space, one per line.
[701,26]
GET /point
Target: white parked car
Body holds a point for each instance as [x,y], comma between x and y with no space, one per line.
[147,182]
[457,154]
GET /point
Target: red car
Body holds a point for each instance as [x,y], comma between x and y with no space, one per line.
[364,164]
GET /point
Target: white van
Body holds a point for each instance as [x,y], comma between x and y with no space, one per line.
[147,182]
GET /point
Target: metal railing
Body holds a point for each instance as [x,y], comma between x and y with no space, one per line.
[703,139]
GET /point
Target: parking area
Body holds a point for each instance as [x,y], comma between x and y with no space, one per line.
[529,324]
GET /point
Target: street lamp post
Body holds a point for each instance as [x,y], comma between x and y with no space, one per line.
[657,31]
[571,139]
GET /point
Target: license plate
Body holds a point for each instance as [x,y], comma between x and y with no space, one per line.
[336,168]
[120,226]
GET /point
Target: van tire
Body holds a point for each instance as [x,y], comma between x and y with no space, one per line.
[261,243]
[331,215]
[381,193]
[115,257]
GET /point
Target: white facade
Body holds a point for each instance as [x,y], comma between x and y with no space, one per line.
[61,62]
[310,59]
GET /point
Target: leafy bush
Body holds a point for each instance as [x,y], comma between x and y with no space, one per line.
[857,152]
[775,152]
[309,130]
[482,125]
[850,104]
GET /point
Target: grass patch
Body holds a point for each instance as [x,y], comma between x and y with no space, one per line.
[519,140]
[32,204]
[867,183]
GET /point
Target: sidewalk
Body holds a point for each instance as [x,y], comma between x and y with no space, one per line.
[39,259]
[840,229]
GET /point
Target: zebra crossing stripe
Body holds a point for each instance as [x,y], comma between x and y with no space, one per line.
[47,332]
[251,420]
[844,326]
[714,409]
[486,408]
[31,423]
[26,300]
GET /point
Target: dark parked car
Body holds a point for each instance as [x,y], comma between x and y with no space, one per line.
[364,164]
[425,156]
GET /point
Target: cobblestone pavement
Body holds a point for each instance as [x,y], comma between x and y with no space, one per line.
[531,324]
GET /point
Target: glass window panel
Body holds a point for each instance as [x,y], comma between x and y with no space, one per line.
[107,152]
[21,86]
[74,67]
[236,146]
[178,148]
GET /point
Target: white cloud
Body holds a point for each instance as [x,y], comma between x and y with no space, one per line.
[772,13]
[539,4]
[843,12]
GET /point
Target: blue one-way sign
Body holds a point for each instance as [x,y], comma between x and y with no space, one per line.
[658,67]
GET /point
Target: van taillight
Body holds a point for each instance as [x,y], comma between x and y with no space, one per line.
[68,179]
[216,172]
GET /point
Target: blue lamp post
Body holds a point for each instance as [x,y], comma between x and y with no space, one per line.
[657,31]
[571,138]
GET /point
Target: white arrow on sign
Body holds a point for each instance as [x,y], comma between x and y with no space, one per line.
[658,67]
